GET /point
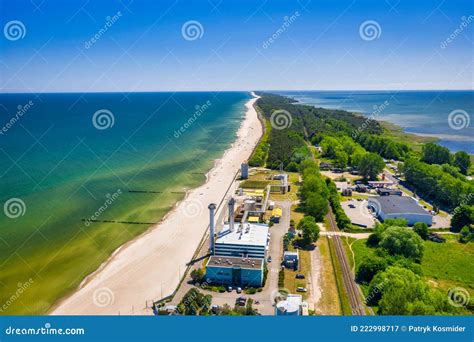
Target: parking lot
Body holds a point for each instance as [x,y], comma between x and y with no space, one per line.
[358,213]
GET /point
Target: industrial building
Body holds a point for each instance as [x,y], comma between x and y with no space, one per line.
[238,251]
[291,306]
[245,240]
[235,271]
[404,207]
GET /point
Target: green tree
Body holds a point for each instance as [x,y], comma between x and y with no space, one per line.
[402,241]
[466,234]
[316,206]
[194,303]
[370,165]
[399,291]
[435,154]
[309,228]
[369,267]
[198,275]
[341,159]
[463,216]
[421,229]
[462,160]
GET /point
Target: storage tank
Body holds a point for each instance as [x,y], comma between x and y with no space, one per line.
[244,171]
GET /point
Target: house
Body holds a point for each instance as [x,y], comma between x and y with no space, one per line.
[399,207]
[291,259]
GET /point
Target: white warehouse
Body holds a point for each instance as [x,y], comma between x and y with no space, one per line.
[404,207]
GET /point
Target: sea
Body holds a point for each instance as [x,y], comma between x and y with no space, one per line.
[447,115]
[81,174]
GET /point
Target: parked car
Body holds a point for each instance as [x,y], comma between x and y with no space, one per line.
[229,289]
[351,206]
[301,289]
[241,301]
[299,276]
[269,259]
[239,290]
[215,308]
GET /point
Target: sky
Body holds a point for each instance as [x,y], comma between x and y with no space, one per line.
[178,45]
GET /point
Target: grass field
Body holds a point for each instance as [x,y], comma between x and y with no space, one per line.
[343,298]
[445,265]
[291,283]
[330,303]
[449,264]
[413,140]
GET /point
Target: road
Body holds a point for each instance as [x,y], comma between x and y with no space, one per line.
[350,285]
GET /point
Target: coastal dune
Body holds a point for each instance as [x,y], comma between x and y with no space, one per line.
[151,266]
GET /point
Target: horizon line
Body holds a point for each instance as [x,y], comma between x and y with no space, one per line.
[226,91]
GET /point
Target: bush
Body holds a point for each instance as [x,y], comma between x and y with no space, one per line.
[421,229]
[463,216]
[466,234]
[369,267]
[402,241]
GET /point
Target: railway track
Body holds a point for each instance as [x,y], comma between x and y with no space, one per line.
[357,307]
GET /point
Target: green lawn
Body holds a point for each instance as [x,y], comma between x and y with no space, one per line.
[445,265]
[449,264]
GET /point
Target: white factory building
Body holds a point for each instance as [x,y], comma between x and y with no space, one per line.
[404,207]
[237,252]
[247,240]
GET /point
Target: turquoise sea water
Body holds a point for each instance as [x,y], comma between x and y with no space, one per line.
[61,166]
[424,112]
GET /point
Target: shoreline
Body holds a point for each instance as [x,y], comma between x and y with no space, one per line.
[398,131]
[140,271]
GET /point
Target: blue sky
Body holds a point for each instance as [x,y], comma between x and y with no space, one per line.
[321,46]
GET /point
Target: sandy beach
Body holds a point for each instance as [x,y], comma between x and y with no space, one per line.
[150,267]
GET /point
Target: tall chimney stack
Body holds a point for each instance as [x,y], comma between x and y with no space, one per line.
[212,208]
[231,214]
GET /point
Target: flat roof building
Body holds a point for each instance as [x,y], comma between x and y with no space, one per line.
[235,271]
[245,240]
[404,207]
[291,306]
